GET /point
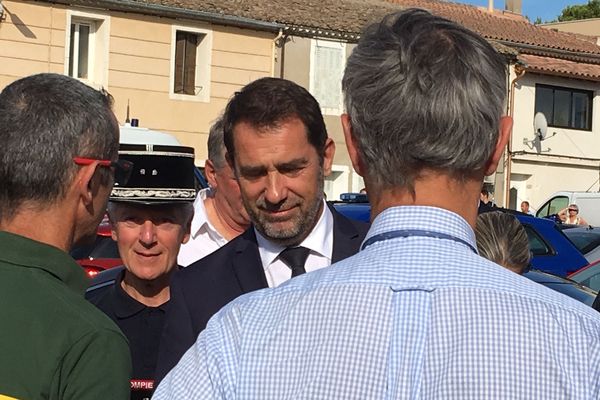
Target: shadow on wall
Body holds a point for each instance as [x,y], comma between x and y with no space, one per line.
[20,25]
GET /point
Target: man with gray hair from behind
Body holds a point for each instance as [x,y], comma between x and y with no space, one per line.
[417,313]
[58,162]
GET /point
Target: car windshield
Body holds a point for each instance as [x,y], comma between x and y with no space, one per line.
[585,240]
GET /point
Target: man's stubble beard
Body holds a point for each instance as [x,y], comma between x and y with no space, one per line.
[302,224]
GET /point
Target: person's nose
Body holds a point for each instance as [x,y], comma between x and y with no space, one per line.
[276,189]
[147,233]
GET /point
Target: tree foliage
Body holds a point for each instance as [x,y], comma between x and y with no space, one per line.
[583,11]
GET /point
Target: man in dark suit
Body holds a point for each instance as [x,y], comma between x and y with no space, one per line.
[277,144]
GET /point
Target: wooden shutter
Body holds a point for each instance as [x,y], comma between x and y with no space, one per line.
[186,44]
[179,61]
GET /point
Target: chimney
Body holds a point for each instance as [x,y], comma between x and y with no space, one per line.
[513,6]
[491,6]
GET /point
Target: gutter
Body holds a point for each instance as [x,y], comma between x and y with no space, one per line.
[561,156]
[138,7]
[592,58]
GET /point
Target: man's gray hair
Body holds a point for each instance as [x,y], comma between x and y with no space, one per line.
[423,92]
[45,121]
[216,144]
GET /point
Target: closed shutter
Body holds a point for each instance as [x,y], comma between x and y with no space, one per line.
[179,61]
[186,44]
[328,65]
[189,80]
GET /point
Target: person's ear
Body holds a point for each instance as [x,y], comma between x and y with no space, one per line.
[85,182]
[505,129]
[210,173]
[352,146]
[328,155]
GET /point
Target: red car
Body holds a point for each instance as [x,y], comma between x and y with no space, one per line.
[101,255]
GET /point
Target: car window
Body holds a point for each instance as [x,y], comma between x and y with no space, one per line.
[554,206]
[537,245]
[589,277]
[585,241]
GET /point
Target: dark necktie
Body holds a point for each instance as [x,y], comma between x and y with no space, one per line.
[295,257]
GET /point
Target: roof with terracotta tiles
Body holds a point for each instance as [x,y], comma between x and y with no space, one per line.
[561,67]
[351,16]
[346,18]
[505,29]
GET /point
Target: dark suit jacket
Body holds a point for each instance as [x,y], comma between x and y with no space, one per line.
[204,287]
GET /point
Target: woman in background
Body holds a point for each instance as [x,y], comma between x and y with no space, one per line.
[502,239]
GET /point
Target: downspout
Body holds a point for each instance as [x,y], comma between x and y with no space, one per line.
[520,72]
[280,42]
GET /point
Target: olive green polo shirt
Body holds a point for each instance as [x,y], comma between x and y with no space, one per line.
[53,343]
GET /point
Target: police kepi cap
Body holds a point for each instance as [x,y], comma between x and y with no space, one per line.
[161,174]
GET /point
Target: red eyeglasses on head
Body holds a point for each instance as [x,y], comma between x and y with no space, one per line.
[122,168]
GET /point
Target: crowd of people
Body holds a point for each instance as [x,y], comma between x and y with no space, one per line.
[256,288]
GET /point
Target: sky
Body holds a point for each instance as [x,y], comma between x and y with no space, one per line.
[547,10]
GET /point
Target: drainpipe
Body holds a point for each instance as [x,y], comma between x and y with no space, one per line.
[280,42]
[520,72]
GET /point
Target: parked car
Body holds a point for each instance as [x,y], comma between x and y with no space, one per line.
[565,286]
[552,250]
[588,202]
[588,276]
[100,255]
[586,239]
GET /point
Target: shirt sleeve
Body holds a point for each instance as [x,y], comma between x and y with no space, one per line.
[98,366]
[208,369]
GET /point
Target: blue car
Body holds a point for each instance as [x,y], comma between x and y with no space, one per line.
[552,251]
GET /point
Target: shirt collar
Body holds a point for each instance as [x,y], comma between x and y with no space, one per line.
[432,219]
[126,306]
[316,240]
[200,218]
[28,253]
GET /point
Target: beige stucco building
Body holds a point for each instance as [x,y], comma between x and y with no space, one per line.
[177,63]
[590,26]
[132,56]
[139,53]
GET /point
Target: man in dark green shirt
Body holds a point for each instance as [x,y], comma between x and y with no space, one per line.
[57,166]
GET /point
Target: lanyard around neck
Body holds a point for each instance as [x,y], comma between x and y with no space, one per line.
[404,233]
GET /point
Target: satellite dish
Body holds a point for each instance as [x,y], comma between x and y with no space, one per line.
[540,125]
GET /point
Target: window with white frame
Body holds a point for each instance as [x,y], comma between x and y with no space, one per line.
[86,55]
[190,63]
[79,49]
[327,61]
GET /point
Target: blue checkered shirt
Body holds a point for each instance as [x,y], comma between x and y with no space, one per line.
[406,318]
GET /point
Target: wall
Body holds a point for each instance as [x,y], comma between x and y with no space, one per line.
[569,160]
[31,40]
[589,26]
[33,36]
[296,67]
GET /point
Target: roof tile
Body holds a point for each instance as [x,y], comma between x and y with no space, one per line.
[560,67]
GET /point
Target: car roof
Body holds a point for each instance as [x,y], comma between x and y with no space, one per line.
[137,135]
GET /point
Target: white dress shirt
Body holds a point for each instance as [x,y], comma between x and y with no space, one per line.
[319,241]
[204,237]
